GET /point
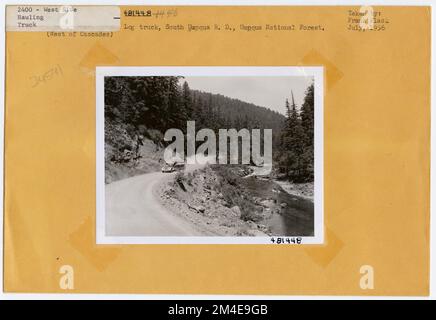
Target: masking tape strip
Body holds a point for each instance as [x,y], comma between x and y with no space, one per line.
[83,240]
[332,73]
[322,255]
[98,55]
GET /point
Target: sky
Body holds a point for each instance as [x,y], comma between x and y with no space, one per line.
[269,92]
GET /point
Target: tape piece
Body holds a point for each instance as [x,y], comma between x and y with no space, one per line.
[98,55]
[83,240]
[332,73]
[322,255]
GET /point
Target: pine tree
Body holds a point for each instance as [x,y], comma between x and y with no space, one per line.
[307,121]
[187,100]
[307,115]
[292,147]
[177,114]
[288,110]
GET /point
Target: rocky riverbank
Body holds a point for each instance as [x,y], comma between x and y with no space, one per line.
[219,200]
[304,190]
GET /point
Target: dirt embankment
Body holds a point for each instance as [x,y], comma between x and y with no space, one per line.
[203,198]
[218,199]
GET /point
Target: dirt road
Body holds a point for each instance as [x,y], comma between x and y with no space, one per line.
[132,209]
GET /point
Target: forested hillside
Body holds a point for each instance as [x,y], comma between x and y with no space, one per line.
[161,103]
[143,108]
[148,106]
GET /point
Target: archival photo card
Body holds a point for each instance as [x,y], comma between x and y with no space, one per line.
[209,155]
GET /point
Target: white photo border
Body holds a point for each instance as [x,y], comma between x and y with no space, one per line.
[317,72]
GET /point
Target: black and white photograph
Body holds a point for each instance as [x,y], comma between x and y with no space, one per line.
[209,155]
